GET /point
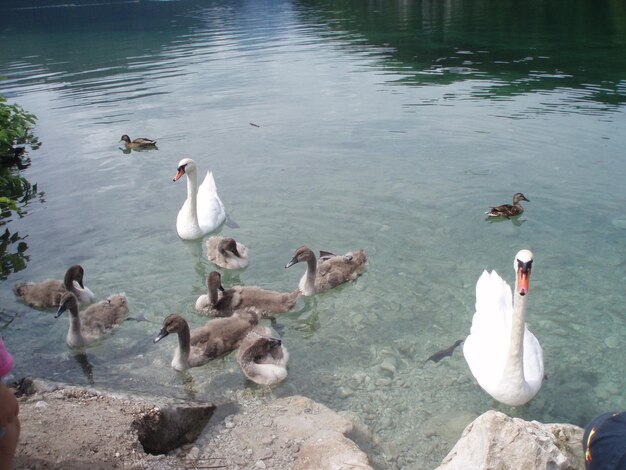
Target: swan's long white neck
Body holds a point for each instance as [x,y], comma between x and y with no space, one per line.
[514,366]
[307,283]
[192,195]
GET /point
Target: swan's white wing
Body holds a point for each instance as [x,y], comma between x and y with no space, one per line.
[211,211]
[486,348]
[186,225]
[533,360]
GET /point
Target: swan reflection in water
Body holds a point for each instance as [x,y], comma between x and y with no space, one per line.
[86,366]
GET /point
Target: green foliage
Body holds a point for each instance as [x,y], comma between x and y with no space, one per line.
[16,132]
[16,127]
[13,255]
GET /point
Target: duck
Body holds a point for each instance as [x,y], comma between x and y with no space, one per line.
[329,271]
[138,143]
[48,293]
[505,358]
[264,302]
[203,211]
[95,322]
[263,358]
[227,253]
[210,341]
[508,210]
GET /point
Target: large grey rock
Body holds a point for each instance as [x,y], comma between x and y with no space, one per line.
[495,441]
[330,450]
[284,433]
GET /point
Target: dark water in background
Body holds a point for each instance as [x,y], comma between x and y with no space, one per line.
[389,126]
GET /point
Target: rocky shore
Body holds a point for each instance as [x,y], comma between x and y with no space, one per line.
[65,427]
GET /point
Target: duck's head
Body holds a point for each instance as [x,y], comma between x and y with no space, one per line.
[173,323]
[523,265]
[517,197]
[125,138]
[186,165]
[301,254]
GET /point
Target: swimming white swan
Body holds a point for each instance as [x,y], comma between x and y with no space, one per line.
[263,358]
[97,321]
[226,252]
[203,211]
[329,271]
[504,356]
[48,293]
[212,340]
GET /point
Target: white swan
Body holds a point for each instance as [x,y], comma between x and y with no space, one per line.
[203,211]
[504,356]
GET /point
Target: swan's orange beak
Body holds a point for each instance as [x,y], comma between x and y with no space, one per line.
[179,173]
[523,279]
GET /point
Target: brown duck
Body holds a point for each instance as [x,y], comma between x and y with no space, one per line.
[508,210]
[138,143]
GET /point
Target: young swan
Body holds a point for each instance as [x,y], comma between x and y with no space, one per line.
[508,210]
[93,323]
[48,293]
[331,270]
[265,302]
[213,340]
[262,358]
[227,253]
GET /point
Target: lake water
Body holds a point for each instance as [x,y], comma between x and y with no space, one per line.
[389,126]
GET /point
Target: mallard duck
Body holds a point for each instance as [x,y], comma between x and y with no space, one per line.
[508,210]
[138,143]
[503,355]
[95,322]
[203,211]
[48,293]
[263,358]
[265,302]
[214,339]
[329,271]
[227,253]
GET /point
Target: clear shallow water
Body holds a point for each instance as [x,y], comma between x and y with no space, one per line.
[389,127]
